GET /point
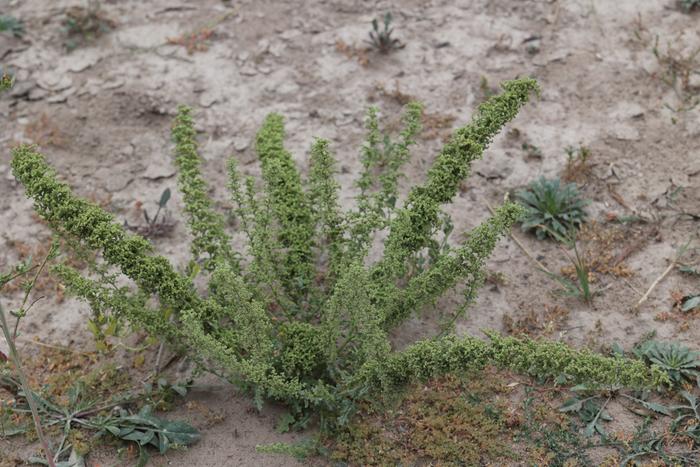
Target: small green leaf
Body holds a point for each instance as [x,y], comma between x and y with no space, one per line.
[691,303]
[571,405]
[164,197]
[285,422]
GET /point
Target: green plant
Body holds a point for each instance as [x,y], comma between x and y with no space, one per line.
[11,25]
[381,39]
[105,418]
[6,82]
[551,207]
[580,286]
[689,5]
[532,151]
[590,411]
[681,363]
[83,25]
[559,438]
[299,318]
[578,165]
[10,334]
[153,227]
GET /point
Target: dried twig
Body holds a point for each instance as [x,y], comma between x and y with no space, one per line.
[681,251]
[521,246]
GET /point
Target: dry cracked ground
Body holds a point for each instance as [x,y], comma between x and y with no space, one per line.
[101,109]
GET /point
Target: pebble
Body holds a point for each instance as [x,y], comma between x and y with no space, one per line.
[113,84]
[207,99]
[36,94]
[240,143]
[288,88]
[51,81]
[290,34]
[248,71]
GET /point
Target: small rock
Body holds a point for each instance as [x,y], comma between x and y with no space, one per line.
[496,169]
[277,48]
[36,94]
[344,121]
[55,82]
[62,97]
[22,89]
[265,70]
[207,99]
[693,167]
[288,88]
[243,56]
[290,34]
[626,110]
[80,60]
[113,84]
[112,180]
[694,81]
[157,170]
[248,71]
[240,144]
[263,46]
[624,132]
[127,150]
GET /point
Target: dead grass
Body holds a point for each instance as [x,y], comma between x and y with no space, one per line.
[44,132]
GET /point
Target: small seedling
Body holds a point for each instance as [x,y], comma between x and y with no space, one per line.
[6,82]
[581,286]
[381,40]
[578,165]
[83,25]
[678,67]
[12,25]
[155,226]
[532,151]
[552,209]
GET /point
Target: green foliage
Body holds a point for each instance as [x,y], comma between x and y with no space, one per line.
[156,225]
[681,363]
[580,286]
[80,411]
[381,39]
[301,317]
[206,225]
[6,82]
[12,25]
[84,24]
[290,207]
[689,5]
[552,208]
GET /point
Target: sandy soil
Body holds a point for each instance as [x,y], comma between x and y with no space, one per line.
[102,115]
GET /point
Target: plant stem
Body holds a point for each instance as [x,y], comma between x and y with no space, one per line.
[25,387]
[22,311]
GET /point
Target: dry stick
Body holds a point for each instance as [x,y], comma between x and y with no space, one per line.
[53,346]
[521,246]
[27,389]
[653,285]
